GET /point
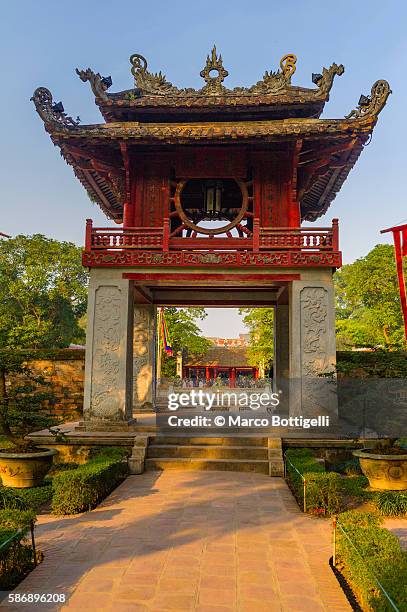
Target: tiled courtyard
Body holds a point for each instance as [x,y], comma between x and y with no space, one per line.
[207,541]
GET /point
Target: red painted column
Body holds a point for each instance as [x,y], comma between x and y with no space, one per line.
[127,215]
[207,375]
[233,378]
[88,236]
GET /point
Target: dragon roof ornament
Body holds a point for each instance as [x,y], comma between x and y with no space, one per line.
[370,106]
[214,73]
[98,83]
[51,113]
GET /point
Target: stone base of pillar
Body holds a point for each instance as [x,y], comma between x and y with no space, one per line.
[105,425]
[275,457]
[147,407]
[137,458]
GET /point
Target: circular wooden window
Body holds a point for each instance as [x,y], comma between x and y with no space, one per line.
[190,205]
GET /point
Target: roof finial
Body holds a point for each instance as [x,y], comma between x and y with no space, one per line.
[370,106]
[214,64]
[51,113]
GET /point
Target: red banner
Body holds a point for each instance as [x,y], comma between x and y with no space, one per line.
[400,246]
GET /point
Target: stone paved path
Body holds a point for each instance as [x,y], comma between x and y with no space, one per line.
[398,526]
[204,541]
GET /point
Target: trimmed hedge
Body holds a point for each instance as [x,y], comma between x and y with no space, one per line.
[79,490]
[23,499]
[372,553]
[16,556]
[377,364]
[323,489]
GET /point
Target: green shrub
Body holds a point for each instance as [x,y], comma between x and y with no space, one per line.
[377,364]
[10,498]
[322,488]
[16,555]
[57,468]
[35,497]
[351,468]
[355,486]
[15,519]
[323,492]
[353,519]
[82,489]
[113,453]
[391,503]
[368,553]
[23,499]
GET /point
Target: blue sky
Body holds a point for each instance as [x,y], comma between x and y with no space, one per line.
[42,43]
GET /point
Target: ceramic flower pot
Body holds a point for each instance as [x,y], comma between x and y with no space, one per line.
[385,472]
[22,470]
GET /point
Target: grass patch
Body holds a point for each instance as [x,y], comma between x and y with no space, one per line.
[391,503]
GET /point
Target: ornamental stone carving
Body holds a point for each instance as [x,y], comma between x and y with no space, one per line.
[51,113]
[370,106]
[314,331]
[98,83]
[106,357]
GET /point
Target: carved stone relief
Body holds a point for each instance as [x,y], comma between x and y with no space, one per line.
[314,330]
[317,341]
[106,357]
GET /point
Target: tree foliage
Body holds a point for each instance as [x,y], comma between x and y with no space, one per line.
[185,336]
[368,309]
[260,322]
[43,290]
[22,403]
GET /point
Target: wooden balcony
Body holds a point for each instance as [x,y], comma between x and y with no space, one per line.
[303,246]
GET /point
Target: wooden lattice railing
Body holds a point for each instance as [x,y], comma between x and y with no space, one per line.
[325,239]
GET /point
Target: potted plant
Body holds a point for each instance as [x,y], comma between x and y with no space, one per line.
[385,465]
[22,398]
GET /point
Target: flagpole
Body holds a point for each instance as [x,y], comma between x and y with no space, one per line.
[400,247]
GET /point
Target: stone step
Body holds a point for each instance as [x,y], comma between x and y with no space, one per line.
[208,451]
[208,441]
[231,465]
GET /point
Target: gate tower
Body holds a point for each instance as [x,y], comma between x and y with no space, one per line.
[208,189]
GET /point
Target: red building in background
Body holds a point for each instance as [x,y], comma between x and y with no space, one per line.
[227,361]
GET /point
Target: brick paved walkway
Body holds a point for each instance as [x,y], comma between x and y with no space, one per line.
[207,541]
[398,526]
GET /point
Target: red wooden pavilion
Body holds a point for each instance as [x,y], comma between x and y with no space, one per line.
[208,188]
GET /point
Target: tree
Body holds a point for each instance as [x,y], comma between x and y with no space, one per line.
[22,403]
[260,322]
[368,309]
[43,292]
[185,336]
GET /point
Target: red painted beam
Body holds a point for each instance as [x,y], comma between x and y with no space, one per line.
[194,278]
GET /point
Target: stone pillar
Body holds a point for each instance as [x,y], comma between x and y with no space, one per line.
[144,357]
[281,358]
[108,365]
[312,348]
